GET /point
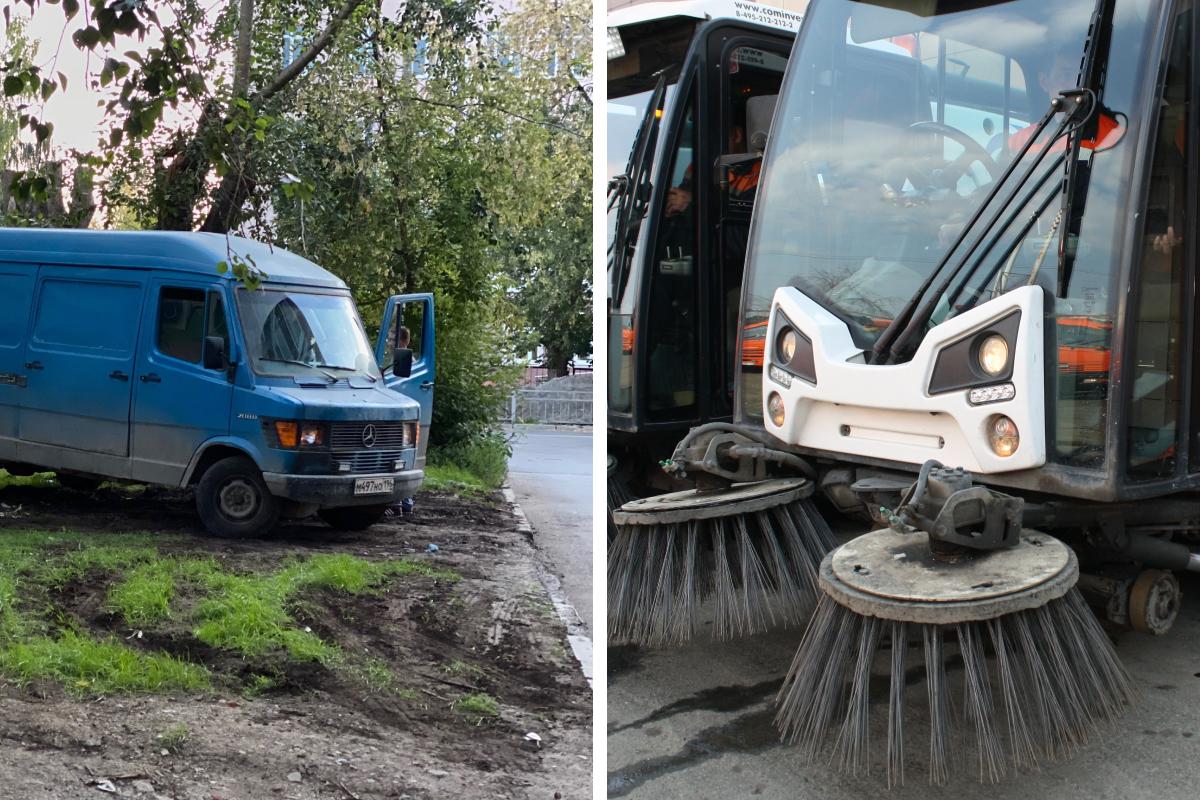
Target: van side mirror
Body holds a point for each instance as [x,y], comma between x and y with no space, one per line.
[215,356]
[402,361]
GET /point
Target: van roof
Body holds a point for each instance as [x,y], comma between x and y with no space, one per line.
[180,251]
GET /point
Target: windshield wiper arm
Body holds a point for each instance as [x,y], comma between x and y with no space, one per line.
[915,314]
[299,363]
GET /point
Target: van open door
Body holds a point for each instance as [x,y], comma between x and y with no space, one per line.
[408,364]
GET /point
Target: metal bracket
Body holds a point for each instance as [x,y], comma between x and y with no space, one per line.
[944,503]
[720,453]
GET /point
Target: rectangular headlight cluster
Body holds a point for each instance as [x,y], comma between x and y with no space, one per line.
[991,394]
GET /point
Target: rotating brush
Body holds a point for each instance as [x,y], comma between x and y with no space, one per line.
[995,647]
[753,549]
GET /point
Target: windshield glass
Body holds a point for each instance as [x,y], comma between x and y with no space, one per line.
[302,335]
[891,129]
[894,133]
[624,117]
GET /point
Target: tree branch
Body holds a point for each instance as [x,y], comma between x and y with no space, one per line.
[289,73]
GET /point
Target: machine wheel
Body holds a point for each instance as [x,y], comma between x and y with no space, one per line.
[78,483]
[1154,602]
[352,518]
[233,500]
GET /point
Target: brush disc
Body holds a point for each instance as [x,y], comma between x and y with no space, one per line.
[990,663]
[894,576]
[753,550]
[694,504]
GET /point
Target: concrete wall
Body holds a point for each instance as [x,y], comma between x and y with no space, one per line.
[563,401]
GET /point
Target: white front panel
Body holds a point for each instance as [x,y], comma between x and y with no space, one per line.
[887,412]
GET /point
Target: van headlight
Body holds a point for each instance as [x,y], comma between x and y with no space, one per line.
[296,435]
[993,354]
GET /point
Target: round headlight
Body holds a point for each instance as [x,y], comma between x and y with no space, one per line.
[787,346]
[1003,436]
[775,408]
[993,354]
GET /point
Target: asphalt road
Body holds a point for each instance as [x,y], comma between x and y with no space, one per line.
[551,475]
[695,722]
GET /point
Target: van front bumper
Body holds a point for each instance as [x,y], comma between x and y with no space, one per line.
[336,491]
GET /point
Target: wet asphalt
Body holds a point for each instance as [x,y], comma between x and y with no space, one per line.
[551,475]
[695,722]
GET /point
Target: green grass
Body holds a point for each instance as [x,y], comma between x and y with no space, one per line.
[175,737]
[479,704]
[458,668]
[249,614]
[85,665]
[474,467]
[40,480]
[454,479]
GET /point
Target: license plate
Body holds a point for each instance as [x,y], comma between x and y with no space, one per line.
[374,485]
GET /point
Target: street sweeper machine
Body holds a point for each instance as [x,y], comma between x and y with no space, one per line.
[967,318]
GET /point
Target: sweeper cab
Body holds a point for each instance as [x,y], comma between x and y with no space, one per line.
[691,90]
[974,243]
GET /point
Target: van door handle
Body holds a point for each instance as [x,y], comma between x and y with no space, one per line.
[151,378]
[117,375]
[33,365]
[427,385]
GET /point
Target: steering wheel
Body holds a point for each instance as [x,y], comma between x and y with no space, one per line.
[948,174]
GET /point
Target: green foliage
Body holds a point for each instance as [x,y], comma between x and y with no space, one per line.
[249,614]
[457,174]
[479,464]
[145,594]
[478,704]
[175,737]
[90,666]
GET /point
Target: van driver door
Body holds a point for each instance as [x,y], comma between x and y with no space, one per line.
[408,324]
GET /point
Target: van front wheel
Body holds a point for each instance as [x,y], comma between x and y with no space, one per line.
[352,518]
[233,500]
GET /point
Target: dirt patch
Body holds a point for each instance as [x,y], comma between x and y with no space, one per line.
[386,721]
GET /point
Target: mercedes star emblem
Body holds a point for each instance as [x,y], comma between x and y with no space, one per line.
[368,437]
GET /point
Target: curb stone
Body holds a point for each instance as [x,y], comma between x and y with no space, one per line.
[577,634]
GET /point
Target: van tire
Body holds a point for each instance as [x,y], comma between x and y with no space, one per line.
[352,518]
[233,500]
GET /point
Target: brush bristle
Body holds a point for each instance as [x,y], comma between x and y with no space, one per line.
[1035,686]
[760,570]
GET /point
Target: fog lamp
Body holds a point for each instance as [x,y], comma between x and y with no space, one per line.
[1003,436]
[775,409]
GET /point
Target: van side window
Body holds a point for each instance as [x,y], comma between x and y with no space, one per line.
[181,323]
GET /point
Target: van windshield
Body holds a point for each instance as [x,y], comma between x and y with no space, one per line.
[297,334]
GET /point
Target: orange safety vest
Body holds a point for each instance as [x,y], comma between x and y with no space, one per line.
[1107,133]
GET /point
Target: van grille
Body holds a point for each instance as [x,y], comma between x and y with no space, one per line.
[388,435]
[347,445]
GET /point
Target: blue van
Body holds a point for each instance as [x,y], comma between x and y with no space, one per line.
[126,355]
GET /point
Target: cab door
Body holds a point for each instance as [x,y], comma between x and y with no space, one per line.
[182,394]
[410,314]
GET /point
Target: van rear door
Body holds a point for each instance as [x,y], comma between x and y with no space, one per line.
[79,362]
[415,313]
[16,298]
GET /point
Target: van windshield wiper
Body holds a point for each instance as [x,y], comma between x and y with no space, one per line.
[298,363]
